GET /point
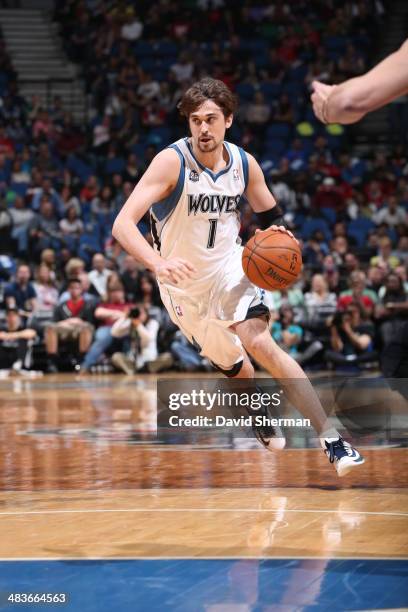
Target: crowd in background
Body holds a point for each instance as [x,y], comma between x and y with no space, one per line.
[72,298]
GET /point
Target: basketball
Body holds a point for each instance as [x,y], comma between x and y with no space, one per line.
[272,260]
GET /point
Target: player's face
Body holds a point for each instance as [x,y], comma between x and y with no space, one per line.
[208,125]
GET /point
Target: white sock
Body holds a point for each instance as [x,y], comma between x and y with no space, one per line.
[330,435]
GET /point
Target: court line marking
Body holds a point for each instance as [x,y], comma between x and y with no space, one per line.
[258,510]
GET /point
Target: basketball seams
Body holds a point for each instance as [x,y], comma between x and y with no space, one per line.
[264,278]
[275,264]
[278,247]
[279,276]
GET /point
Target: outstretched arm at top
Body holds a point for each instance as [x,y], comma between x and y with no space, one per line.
[157,183]
[350,101]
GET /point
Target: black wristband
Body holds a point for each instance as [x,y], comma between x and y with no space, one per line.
[273,216]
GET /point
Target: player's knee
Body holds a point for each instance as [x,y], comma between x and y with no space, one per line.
[256,344]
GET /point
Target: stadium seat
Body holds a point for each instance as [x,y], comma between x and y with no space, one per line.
[280,131]
[245,91]
[115,165]
[313,225]
[82,170]
[274,148]
[271,91]
[329,215]
[20,188]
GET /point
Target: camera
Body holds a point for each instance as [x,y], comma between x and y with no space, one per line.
[134,313]
[339,318]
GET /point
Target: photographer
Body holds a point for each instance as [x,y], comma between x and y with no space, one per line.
[392,316]
[142,332]
[351,337]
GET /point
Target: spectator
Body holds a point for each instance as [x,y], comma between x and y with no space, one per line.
[283,111]
[46,290]
[22,217]
[321,304]
[183,69]
[18,173]
[99,275]
[90,190]
[359,293]
[70,225]
[47,257]
[384,255]
[43,126]
[375,278]
[101,136]
[142,331]
[285,332]
[315,251]
[258,112]
[130,278]
[20,293]
[132,29]
[392,317]
[148,88]
[46,193]
[402,250]
[103,203]
[153,114]
[292,296]
[339,248]
[132,171]
[106,314]
[15,342]
[44,229]
[392,214]
[328,196]
[351,336]
[68,200]
[72,323]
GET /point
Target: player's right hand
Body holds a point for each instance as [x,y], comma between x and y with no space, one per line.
[174,270]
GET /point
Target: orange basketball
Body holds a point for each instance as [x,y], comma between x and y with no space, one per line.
[272,260]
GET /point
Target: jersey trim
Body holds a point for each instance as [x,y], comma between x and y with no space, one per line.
[245,165]
[166,206]
[213,175]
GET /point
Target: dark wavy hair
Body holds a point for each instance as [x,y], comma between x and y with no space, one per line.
[207,89]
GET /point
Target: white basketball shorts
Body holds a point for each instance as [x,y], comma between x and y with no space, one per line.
[205,320]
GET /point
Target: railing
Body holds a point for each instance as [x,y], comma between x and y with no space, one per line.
[50,83]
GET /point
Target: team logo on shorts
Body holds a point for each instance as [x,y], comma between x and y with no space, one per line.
[179,311]
[235,174]
[194,176]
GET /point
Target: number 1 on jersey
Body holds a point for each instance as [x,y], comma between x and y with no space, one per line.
[213,231]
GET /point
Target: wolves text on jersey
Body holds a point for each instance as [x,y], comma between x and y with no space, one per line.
[212,203]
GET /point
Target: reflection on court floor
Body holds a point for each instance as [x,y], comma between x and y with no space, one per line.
[213,585]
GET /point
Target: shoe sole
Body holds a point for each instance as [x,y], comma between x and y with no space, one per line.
[273,444]
[276,444]
[347,466]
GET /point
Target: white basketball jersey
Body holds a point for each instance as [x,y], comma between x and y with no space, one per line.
[199,221]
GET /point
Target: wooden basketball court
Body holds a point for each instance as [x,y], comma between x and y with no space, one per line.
[82,477]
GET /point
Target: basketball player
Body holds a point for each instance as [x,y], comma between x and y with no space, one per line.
[350,101]
[193,189]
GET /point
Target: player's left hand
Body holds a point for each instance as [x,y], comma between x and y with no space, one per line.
[321,92]
[278,228]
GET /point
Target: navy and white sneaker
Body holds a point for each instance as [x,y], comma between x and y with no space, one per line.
[343,455]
